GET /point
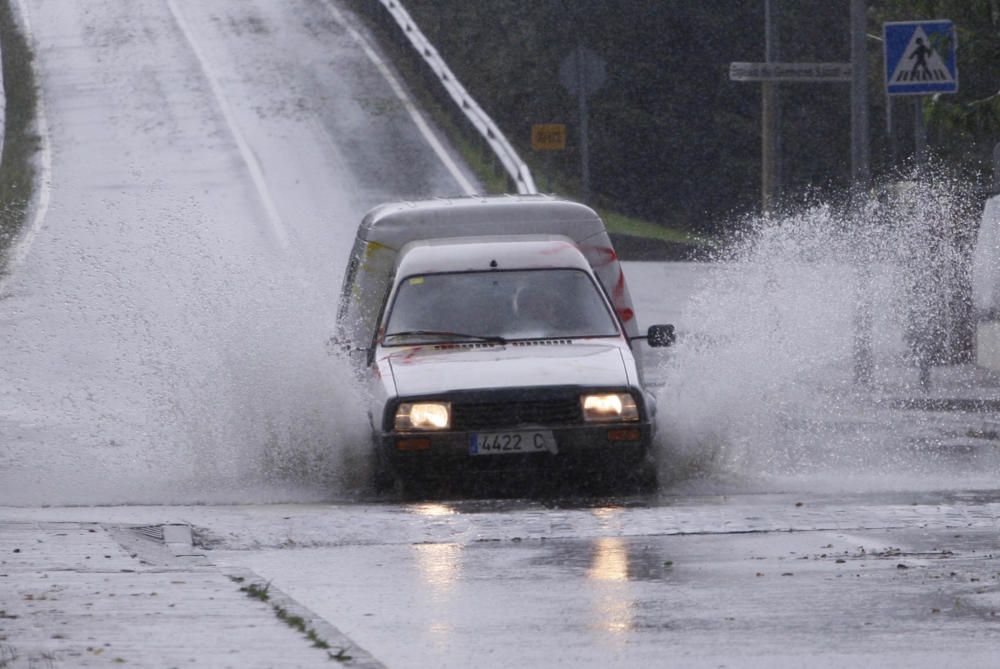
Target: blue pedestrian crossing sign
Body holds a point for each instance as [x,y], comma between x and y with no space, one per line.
[920,57]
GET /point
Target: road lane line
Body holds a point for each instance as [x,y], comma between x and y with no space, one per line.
[43,180]
[408,104]
[249,158]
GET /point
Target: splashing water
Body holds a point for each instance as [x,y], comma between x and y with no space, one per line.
[189,368]
[761,389]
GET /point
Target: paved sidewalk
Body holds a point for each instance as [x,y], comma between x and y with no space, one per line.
[82,595]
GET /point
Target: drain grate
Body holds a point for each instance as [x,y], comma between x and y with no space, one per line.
[154,532]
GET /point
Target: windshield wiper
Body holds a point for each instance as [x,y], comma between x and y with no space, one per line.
[447,333]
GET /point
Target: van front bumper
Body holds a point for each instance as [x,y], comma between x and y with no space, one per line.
[589,448]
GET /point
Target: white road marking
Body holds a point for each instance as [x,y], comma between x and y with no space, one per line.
[253,165]
[408,104]
[40,206]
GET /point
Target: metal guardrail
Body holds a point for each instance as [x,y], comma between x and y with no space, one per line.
[438,71]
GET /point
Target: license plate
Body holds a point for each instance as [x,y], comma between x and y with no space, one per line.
[507,443]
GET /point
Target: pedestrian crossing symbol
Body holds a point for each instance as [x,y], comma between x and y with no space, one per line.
[920,58]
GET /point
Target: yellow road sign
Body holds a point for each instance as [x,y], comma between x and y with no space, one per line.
[548,137]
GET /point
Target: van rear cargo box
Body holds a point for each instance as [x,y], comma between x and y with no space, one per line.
[387,228]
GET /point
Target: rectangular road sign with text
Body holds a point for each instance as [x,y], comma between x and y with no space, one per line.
[790,71]
[548,137]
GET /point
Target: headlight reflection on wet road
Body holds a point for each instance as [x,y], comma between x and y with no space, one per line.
[431,509]
[439,565]
[440,568]
[614,604]
[610,561]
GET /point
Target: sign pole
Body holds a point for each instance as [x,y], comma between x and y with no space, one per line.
[860,148]
[581,87]
[864,359]
[769,123]
[770,178]
[996,169]
[919,133]
[583,72]
[890,131]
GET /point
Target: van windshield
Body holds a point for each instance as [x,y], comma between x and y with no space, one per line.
[496,306]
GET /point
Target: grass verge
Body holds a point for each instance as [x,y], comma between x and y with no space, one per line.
[20,142]
[637,227]
[296,622]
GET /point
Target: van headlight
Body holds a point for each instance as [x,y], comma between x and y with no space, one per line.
[423,416]
[609,407]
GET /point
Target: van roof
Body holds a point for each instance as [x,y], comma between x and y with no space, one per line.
[386,229]
[397,223]
[483,254]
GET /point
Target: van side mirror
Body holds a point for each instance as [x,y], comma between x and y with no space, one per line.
[661,335]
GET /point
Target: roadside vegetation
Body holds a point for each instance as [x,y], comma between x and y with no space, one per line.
[296,622]
[673,141]
[631,232]
[20,141]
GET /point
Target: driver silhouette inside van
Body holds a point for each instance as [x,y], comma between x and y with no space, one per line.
[538,312]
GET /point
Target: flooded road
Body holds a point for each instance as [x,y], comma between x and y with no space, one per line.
[689,580]
[817,598]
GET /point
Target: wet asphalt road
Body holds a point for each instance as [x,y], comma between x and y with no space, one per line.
[689,581]
[684,578]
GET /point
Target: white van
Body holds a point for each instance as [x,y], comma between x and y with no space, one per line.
[497,334]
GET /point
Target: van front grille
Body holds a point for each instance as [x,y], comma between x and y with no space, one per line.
[489,415]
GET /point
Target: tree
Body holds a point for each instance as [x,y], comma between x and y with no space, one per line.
[672,138]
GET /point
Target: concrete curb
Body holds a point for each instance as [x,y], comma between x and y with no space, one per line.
[324,631]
